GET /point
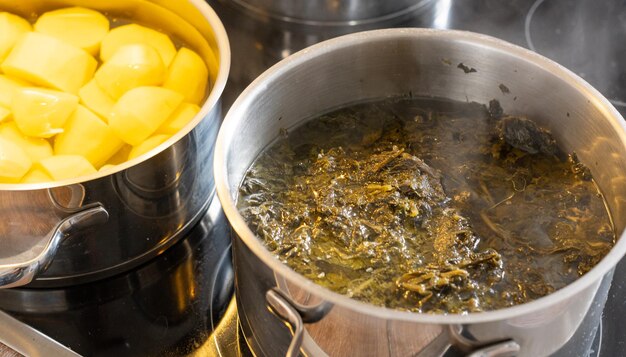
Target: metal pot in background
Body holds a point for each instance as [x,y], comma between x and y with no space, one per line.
[331,12]
[378,64]
[85,229]
[258,41]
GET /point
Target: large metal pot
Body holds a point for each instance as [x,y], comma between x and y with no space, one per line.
[394,62]
[85,229]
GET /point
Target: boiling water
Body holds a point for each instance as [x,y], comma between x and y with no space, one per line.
[427,205]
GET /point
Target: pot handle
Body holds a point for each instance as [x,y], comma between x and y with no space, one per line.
[295,315]
[18,274]
[508,348]
[452,338]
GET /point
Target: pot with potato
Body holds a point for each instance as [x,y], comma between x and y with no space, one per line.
[108,114]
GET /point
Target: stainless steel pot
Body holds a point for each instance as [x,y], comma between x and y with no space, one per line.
[331,13]
[422,62]
[84,229]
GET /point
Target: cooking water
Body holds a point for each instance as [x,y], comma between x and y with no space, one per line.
[428,205]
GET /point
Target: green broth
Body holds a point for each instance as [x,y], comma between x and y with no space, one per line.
[422,205]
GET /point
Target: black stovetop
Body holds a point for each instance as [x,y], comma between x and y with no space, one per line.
[168,306]
[180,303]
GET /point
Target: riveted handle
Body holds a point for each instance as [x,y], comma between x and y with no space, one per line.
[451,341]
[295,315]
[18,274]
[508,348]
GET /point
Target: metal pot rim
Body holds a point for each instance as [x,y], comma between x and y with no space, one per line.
[224,59]
[228,132]
[275,13]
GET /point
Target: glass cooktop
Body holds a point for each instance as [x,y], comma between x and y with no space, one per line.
[168,306]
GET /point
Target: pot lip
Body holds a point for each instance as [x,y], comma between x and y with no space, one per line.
[224,61]
[228,132]
[325,20]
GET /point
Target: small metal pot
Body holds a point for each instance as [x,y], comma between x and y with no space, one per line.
[377,64]
[85,229]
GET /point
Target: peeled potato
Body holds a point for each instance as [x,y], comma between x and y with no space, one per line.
[107,168]
[61,167]
[137,34]
[47,61]
[36,175]
[131,66]
[183,115]
[141,111]
[81,27]
[14,163]
[144,92]
[92,96]
[188,75]
[7,88]
[37,149]
[42,112]
[12,27]
[120,157]
[87,135]
[5,114]
[147,145]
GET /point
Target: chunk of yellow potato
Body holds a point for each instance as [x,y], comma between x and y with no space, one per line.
[36,175]
[94,98]
[147,145]
[42,112]
[107,167]
[87,135]
[37,149]
[137,34]
[183,115]
[8,86]
[81,27]
[188,75]
[141,111]
[61,167]
[5,114]
[12,27]
[47,61]
[14,163]
[120,157]
[131,66]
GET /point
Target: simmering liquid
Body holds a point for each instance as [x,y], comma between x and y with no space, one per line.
[427,205]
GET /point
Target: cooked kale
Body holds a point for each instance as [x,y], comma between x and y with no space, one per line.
[427,206]
[526,135]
